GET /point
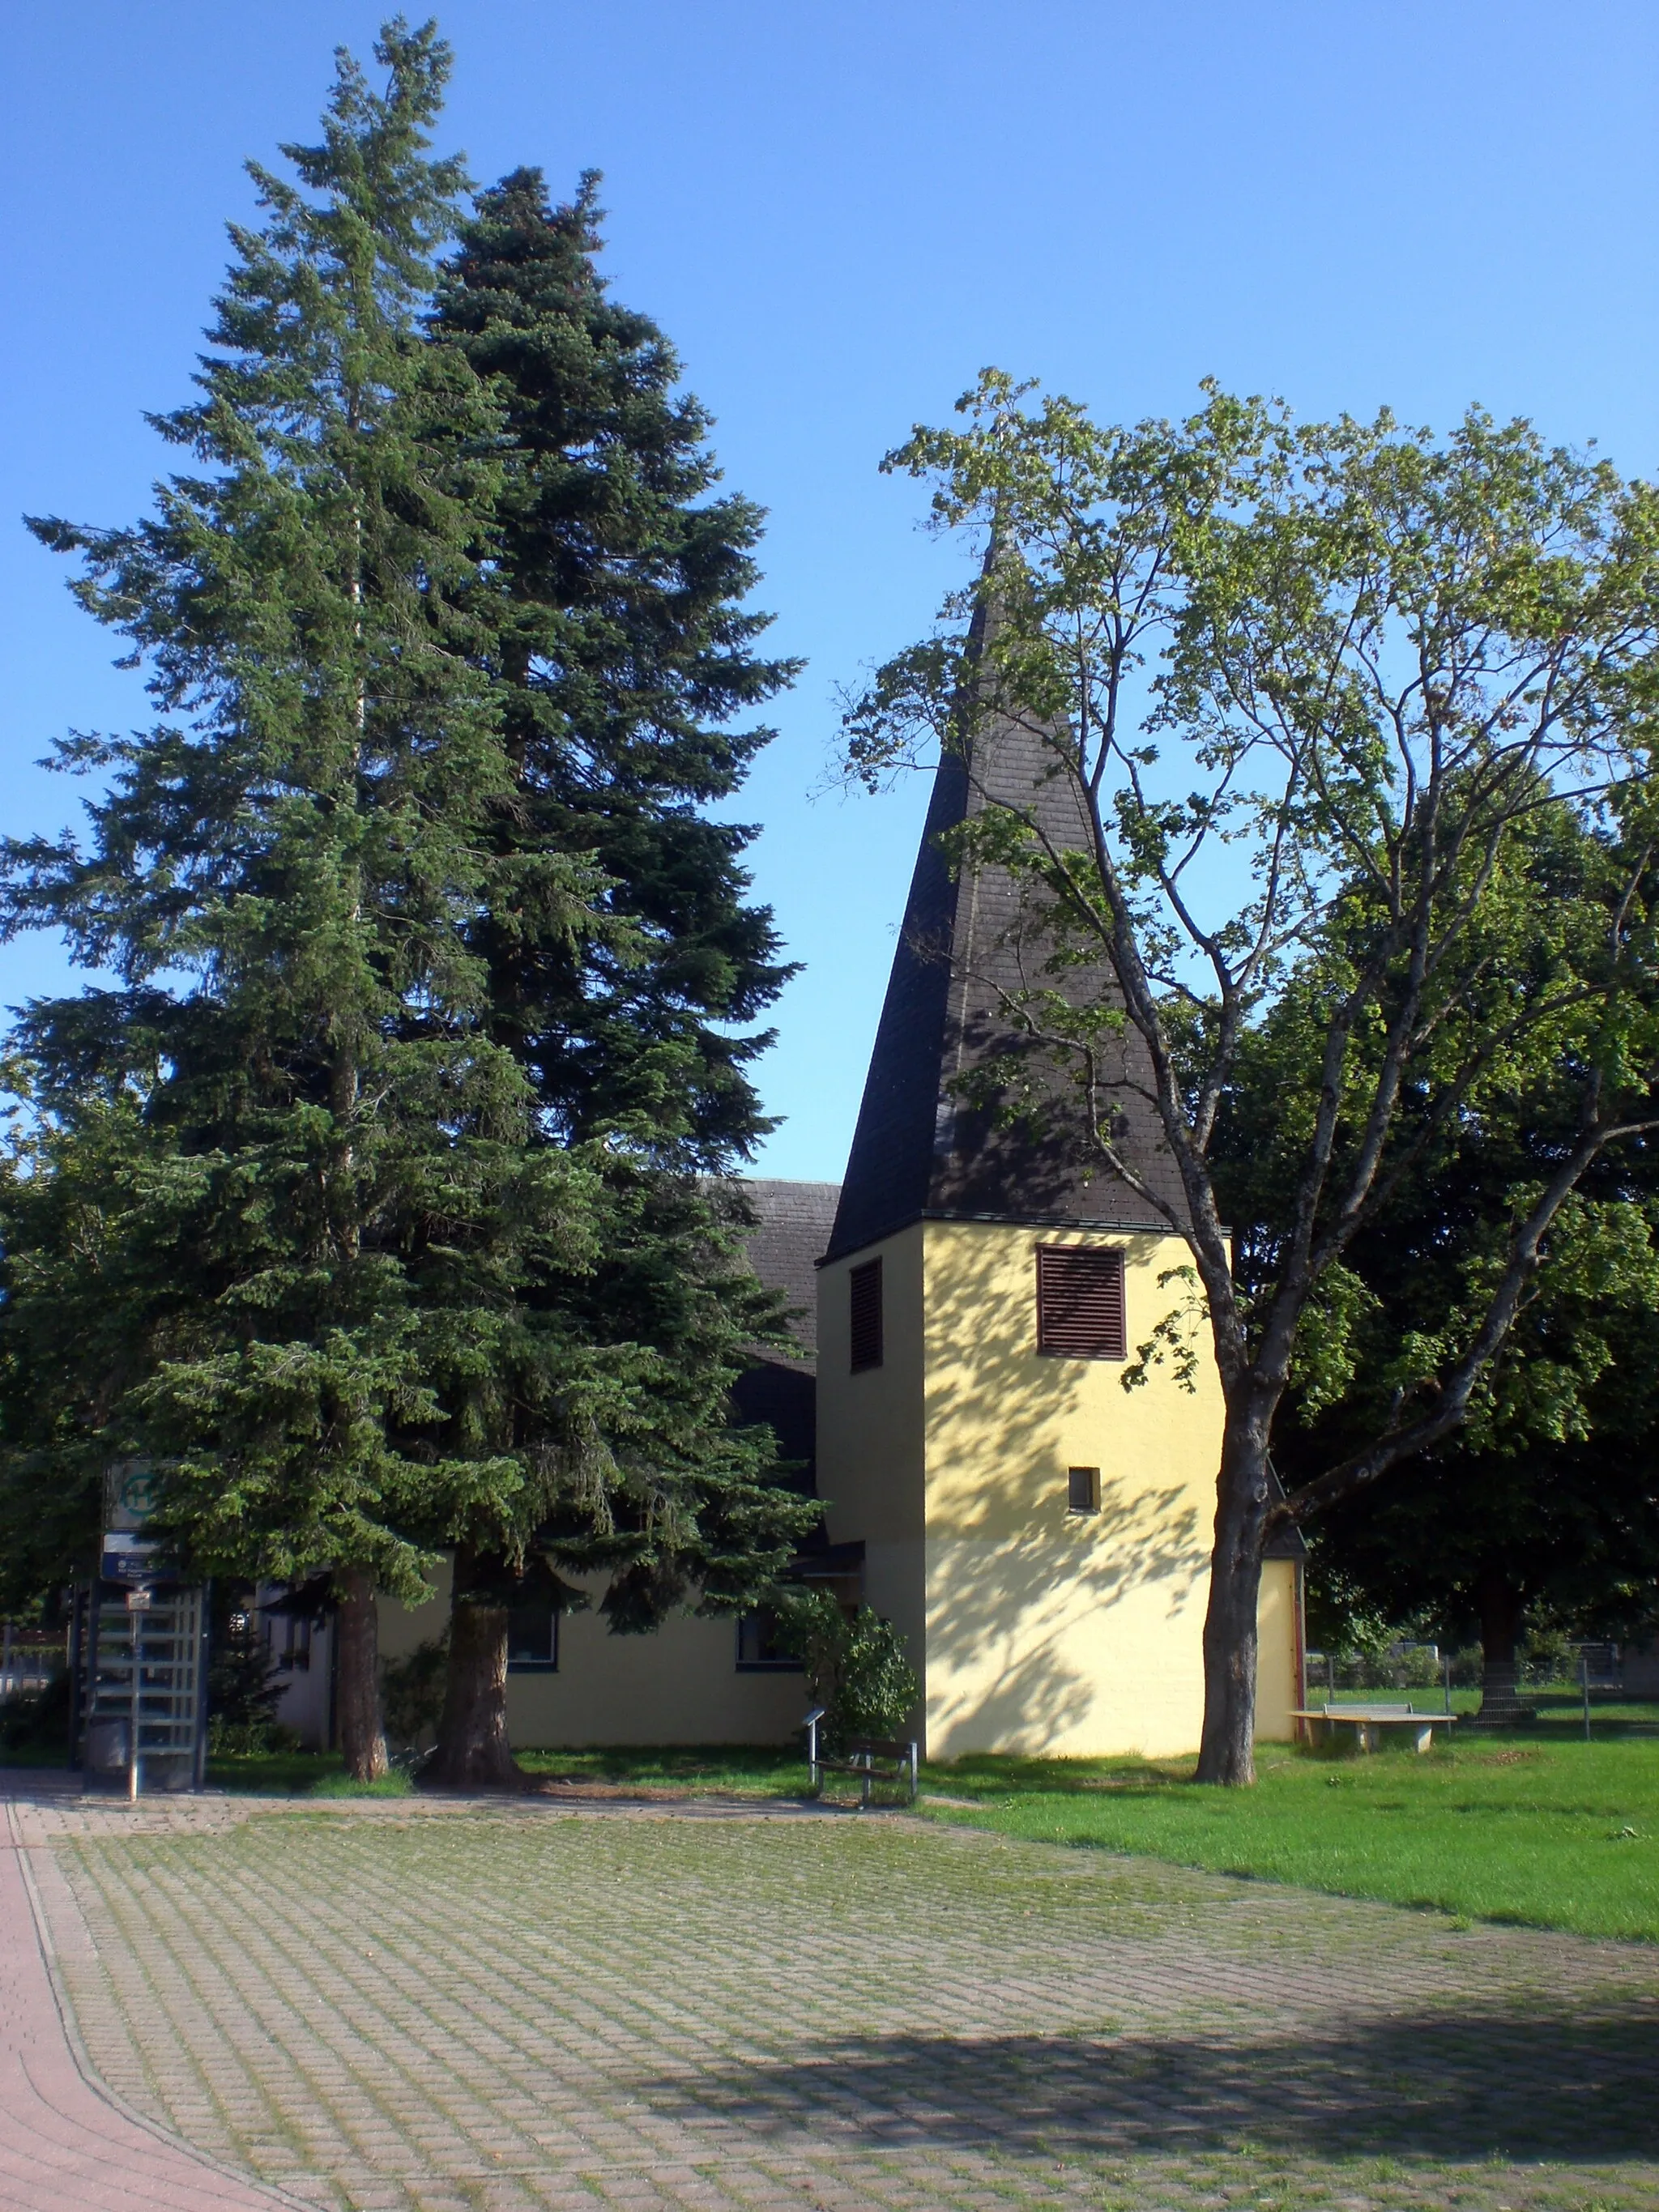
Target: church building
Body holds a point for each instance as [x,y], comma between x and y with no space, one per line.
[968,1304]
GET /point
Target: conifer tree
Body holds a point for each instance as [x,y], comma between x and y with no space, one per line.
[625,653]
[295,1087]
[372,1205]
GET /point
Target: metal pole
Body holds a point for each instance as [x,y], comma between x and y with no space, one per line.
[1449,1683]
[138,1605]
[76,1646]
[198,1763]
[132,1745]
[5,1664]
[1583,1668]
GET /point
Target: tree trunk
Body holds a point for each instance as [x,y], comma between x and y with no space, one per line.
[1500,1633]
[473,1752]
[1227,1749]
[362,1740]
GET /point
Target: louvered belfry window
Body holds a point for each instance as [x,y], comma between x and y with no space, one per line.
[864,1288]
[1080,1302]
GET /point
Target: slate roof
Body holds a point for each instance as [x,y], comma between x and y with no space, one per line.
[918,1150]
[792,1222]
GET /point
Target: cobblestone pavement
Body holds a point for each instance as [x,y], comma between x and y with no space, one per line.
[505,2006]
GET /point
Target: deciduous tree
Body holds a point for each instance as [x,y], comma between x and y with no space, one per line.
[1311,686]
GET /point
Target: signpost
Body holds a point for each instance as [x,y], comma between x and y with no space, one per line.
[138,1604]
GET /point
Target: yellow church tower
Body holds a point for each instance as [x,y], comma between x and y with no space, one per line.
[1040,1534]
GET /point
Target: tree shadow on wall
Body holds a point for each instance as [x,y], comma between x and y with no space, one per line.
[1021,1589]
[1021,1605]
[1458,2086]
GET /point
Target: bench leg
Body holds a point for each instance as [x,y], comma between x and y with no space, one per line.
[865,1780]
[1367,1736]
[1423,1738]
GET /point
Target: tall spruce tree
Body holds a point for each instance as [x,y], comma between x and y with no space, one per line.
[319,1200]
[375,1205]
[625,656]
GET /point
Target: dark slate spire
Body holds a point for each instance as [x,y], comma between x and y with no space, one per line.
[919,1151]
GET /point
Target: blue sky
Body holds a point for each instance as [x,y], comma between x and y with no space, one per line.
[839,213]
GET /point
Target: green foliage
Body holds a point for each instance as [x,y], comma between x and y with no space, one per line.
[1549,1501]
[367,1205]
[244,1691]
[1359,722]
[395,1784]
[412,1691]
[623,651]
[292,1095]
[854,1663]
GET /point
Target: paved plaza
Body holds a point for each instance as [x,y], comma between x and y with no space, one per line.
[507,2006]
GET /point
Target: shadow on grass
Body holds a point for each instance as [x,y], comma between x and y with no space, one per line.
[1573,2088]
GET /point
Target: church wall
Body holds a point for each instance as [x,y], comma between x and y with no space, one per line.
[1051,1631]
[1279,1689]
[871,1433]
[1034,1628]
[676,1686]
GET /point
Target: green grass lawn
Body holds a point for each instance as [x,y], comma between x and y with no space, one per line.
[723,1768]
[1513,1827]
[1558,1707]
[744,1770]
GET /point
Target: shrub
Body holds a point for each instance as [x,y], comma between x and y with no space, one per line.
[412,1691]
[854,1663]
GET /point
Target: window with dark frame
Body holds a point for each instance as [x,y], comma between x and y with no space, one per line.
[864,1292]
[1083,1490]
[759,1651]
[1079,1302]
[532,1638]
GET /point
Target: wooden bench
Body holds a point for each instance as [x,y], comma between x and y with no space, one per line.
[898,1761]
[1368,1723]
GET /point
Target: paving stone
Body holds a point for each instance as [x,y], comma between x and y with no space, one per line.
[422,2004]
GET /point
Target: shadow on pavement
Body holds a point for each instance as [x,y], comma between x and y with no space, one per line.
[1469,2085]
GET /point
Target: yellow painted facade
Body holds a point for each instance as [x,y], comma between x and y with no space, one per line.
[1034,1628]
[678,1686]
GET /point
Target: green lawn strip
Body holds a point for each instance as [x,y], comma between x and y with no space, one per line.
[724,1769]
[735,1769]
[1555,1706]
[275,1773]
[1544,1834]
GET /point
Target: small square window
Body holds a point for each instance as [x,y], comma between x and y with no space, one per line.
[1083,1490]
[532,1638]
